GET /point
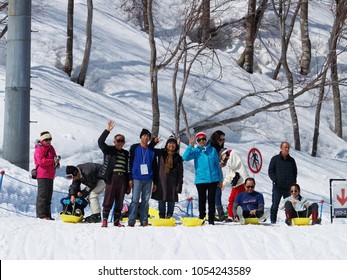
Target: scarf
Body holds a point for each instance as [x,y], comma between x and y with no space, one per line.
[169,162]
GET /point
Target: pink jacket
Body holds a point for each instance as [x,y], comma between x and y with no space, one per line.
[44,160]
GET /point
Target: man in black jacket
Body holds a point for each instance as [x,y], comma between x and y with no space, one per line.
[282,172]
[87,174]
[116,173]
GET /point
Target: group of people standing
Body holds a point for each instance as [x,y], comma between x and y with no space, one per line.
[149,172]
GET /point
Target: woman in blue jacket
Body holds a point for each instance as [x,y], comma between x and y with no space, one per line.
[208,175]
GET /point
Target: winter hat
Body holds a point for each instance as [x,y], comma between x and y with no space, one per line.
[145,131]
[172,139]
[224,153]
[45,135]
[71,170]
[200,135]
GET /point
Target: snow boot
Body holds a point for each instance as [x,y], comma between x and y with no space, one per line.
[239,212]
[263,218]
[94,218]
[228,220]
[315,219]
[104,223]
[221,215]
[288,218]
[116,221]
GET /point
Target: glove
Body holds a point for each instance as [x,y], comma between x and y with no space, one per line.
[235,179]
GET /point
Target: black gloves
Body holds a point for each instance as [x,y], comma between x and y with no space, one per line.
[235,179]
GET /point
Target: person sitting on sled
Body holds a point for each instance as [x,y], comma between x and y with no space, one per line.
[297,206]
[74,203]
[249,204]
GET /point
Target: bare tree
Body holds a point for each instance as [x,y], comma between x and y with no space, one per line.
[3,17]
[340,18]
[69,39]
[153,72]
[85,63]
[252,34]
[281,13]
[305,39]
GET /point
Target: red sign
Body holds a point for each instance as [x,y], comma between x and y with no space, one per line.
[342,199]
[255,160]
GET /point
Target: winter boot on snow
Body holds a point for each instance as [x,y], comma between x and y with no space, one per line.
[239,212]
[116,222]
[288,218]
[104,223]
[221,215]
[315,219]
[263,218]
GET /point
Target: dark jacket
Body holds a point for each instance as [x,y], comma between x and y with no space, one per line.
[282,172]
[168,185]
[89,177]
[110,158]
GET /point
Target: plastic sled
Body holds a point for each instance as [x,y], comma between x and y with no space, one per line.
[301,221]
[192,222]
[162,222]
[153,213]
[71,218]
[251,221]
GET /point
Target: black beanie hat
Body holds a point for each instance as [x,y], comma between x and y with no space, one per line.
[145,131]
[71,170]
[173,140]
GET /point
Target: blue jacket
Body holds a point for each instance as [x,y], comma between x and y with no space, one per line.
[206,163]
[249,201]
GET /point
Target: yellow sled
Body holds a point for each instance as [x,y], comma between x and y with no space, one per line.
[192,222]
[301,221]
[252,221]
[153,213]
[71,218]
[162,222]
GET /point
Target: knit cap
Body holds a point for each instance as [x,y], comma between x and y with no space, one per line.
[200,135]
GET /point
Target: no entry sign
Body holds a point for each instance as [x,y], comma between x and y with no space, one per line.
[255,160]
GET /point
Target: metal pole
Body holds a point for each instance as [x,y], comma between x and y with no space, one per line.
[17,91]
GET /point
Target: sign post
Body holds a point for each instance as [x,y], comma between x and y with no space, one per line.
[255,160]
[338,199]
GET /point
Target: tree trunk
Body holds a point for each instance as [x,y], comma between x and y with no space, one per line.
[282,14]
[317,117]
[289,34]
[145,16]
[258,18]
[85,63]
[205,21]
[69,40]
[341,14]
[305,39]
[153,72]
[250,36]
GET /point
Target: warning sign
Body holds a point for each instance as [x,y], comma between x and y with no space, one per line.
[255,160]
[338,198]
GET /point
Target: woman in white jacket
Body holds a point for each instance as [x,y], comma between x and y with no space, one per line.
[236,174]
[297,206]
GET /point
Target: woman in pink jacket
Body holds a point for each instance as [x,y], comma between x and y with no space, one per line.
[46,162]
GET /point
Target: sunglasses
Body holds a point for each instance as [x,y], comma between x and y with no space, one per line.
[69,176]
[120,140]
[48,139]
[295,191]
[250,187]
[201,139]
[221,139]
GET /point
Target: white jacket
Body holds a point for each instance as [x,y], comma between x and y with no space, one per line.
[298,205]
[235,164]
